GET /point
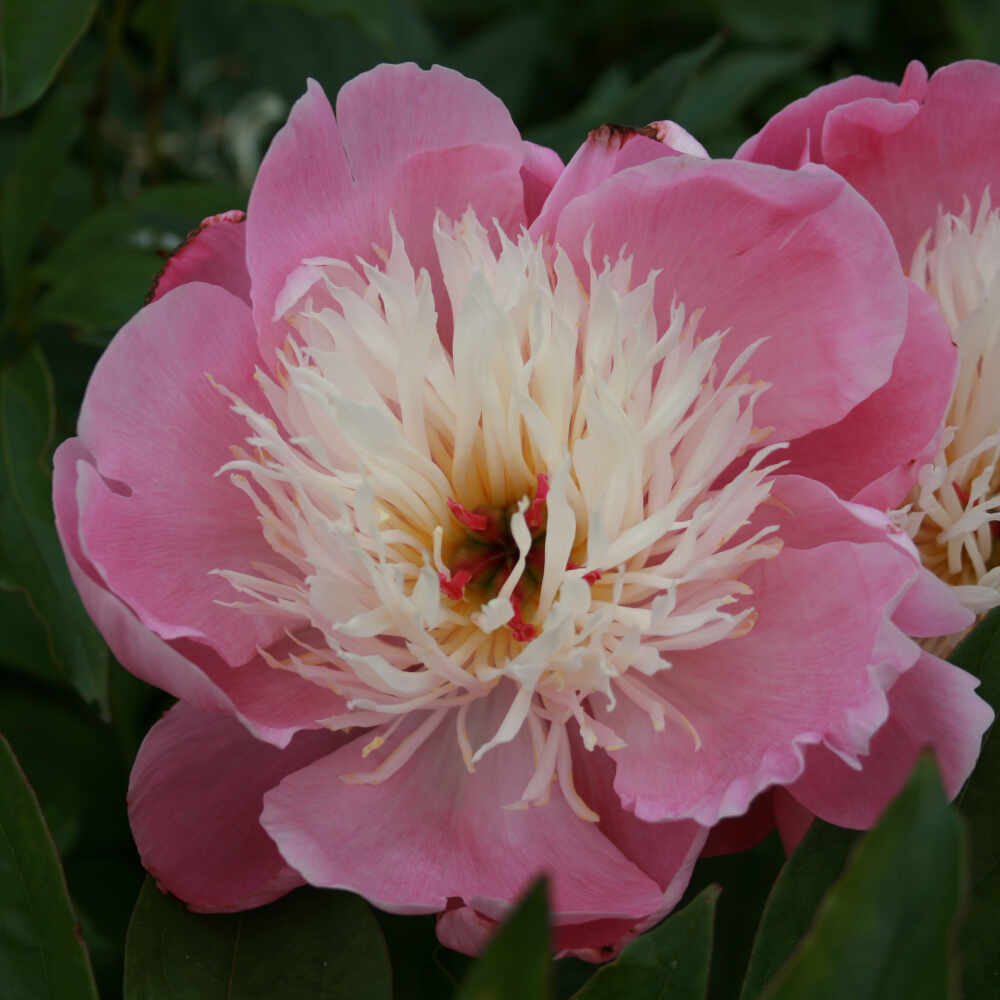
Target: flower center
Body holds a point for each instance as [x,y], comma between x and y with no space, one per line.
[536,512]
[957,500]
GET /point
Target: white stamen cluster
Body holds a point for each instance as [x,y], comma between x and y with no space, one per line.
[376,425]
[957,499]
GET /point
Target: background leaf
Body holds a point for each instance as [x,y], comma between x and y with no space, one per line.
[31,559]
[813,867]
[979,653]
[310,945]
[41,954]
[33,44]
[516,963]
[29,187]
[670,962]
[886,928]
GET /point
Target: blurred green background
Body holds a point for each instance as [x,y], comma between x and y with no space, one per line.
[123,124]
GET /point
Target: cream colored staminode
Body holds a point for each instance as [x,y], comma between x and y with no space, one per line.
[534,505]
[956,504]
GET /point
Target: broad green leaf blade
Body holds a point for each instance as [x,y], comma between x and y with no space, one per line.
[42,956]
[100,274]
[657,94]
[886,928]
[746,878]
[671,961]
[979,653]
[808,874]
[712,103]
[516,964]
[311,945]
[31,559]
[30,185]
[33,43]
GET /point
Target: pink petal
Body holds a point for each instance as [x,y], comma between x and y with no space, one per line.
[392,113]
[214,253]
[607,151]
[665,851]
[813,668]
[155,520]
[739,833]
[780,142]
[440,832]
[194,804]
[933,704]
[313,199]
[791,818]
[272,706]
[897,425]
[541,169]
[929,608]
[910,150]
[947,151]
[304,175]
[791,258]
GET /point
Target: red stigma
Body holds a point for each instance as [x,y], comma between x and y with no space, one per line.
[535,514]
[473,521]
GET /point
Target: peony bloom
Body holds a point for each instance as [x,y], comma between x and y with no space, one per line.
[446,493]
[925,154]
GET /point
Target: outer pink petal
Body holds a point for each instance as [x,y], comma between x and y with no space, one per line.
[933,704]
[302,180]
[665,851]
[739,833]
[432,831]
[948,150]
[393,112]
[311,199]
[813,668]
[272,707]
[791,818]
[607,151]
[214,253]
[541,169]
[155,520]
[194,804]
[796,260]
[799,126]
[894,427]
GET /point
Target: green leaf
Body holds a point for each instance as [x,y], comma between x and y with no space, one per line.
[886,928]
[385,22]
[516,964]
[564,134]
[801,886]
[41,954]
[673,960]
[659,93]
[770,22]
[422,968]
[101,273]
[712,103]
[311,945]
[30,185]
[486,56]
[31,559]
[33,44]
[102,292]
[747,878]
[157,219]
[979,653]
[72,761]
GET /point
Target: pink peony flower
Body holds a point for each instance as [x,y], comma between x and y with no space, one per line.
[925,154]
[446,494]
